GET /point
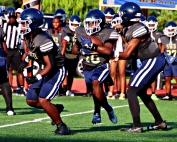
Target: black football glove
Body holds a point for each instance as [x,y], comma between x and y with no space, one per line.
[22,66]
[31,80]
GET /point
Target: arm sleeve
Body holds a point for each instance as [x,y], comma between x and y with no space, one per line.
[46,46]
[140,32]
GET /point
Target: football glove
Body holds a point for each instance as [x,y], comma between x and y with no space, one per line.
[84,51]
[22,66]
[87,42]
[33,79]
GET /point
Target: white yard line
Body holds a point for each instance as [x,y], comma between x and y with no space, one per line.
[41,119]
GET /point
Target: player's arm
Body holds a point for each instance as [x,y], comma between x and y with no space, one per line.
[129,49]
[107,48]
[64,41]
[162,48]
[48,65]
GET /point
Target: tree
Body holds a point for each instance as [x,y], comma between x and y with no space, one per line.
[80,7]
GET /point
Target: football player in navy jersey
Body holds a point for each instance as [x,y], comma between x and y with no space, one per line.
[44,84]
[168,45]
[96,58]
[141,44]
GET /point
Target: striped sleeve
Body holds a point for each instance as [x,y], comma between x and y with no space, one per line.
[113,35]
[139,32]
[47,46]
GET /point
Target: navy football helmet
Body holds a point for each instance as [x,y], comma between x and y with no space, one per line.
[143,19]
[109,13]
[129,12]
[116,19]
[94,21]
[152,23]
[9,9]
[61,14]
[76,20]
[170,29]
[31,19]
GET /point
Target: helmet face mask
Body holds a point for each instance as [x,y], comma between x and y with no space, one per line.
[92,25]
[94,21]
[74,22]
[170,29]
[116,20]
[109,13]
[152,23]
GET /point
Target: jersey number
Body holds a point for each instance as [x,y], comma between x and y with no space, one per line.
[94,59]
[171,52]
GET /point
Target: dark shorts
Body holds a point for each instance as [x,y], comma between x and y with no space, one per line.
[100,73]
[47,87]
[148,72]
[3,70]
[71,65]
[13,57]
[170,70]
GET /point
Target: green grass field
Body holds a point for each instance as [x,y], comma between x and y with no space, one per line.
[33,125]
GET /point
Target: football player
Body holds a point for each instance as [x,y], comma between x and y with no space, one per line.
[117,67]
[96,58]
[168,45]
[71,59]
[109,13]
[44,84]
[141,44]
[61,39]
[152,24]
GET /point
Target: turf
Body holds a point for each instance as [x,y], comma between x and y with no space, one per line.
[33,125]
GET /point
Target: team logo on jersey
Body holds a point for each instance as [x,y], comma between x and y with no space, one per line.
[31,54]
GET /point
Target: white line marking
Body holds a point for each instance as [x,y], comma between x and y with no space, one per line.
[40,119]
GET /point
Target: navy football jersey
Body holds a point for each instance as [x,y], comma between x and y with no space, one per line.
[58,37]
[147,48]
[42,45]
[106,34]
[68,52]
[170,46]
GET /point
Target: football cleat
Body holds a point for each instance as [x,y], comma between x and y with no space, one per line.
[167,98]
[69,93]
[60,108]
[122,96]
[132,129]
[154,97]
[96,119]
[62,129]
[10,112]
[112,117]
[155,126]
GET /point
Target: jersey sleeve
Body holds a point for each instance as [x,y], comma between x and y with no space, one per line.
[140,31]
[65,36]
[46,46]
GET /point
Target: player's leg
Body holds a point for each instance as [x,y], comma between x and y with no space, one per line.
[98,76]
[168,73]
[16,60]
[122,67]
[113,66]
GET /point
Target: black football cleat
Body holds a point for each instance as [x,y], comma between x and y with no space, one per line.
[155,126]
[60,108]
[133,129]
[62,129]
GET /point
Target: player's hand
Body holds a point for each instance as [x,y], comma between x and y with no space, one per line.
[84,51]
[87,42]
[22,66]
